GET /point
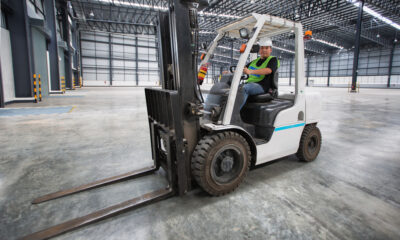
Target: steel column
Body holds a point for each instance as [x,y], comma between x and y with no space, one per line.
[232,53]
[1,89]
[63,7]
[308,69]
[290,72]
[110,58]
[136,61]
[80,56]
[390,64]
[357,46]
[329,70]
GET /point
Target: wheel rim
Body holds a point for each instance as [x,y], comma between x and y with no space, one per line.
[226,164]
[312,145]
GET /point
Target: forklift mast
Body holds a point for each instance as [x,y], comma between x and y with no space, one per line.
[174,110]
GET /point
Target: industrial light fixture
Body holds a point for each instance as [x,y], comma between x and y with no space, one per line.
[284,49]
[206,32]
[328,43]
[91,13]
[395,40]
[375,14]
[377,35]
[209,14]
[124,3]
[219,55]
[228,48]
[154,7]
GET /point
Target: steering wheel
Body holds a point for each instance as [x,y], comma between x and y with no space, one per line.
[232,68]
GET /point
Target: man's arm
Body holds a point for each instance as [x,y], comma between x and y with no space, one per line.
[263,71]
[272,66]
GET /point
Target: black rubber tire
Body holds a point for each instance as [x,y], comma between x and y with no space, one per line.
[203,156]
[310,136]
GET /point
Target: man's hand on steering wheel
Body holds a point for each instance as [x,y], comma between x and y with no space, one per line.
[246,70]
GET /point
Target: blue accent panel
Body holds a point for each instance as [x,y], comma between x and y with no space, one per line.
[6,112]
[289,126]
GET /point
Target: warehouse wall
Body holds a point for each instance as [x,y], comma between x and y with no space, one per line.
[119,60]
[6,66]
[373,69]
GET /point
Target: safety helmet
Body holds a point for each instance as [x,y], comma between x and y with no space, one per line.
[265,42]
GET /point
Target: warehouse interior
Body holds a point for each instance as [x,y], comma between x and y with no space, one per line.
[73,110]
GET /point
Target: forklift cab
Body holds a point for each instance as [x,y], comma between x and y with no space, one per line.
[274,122]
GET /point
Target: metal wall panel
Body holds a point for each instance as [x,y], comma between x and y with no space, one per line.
[373,68]
[121,57]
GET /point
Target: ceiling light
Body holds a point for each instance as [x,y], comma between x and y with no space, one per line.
[228,48]
[395,40]
[210,14]
[328,43]
[91,13]
[283,49]
[206,32]
[124,3]
[377,35]
[376,14]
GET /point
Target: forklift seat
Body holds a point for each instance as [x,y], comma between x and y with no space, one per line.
[264,114]
[261,98]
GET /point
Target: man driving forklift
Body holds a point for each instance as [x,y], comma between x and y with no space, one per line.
[261,71]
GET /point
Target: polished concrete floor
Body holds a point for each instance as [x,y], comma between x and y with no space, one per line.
[351,191]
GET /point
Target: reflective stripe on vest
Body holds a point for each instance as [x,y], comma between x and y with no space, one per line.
[253,66]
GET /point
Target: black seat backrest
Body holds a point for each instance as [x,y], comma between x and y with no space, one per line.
[266,97]
[275,81]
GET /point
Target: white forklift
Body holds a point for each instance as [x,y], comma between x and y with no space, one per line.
[212,143]
[268,127]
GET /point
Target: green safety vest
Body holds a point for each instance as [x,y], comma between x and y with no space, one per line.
[253,66]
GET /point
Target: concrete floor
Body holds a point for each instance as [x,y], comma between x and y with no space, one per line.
[351,191]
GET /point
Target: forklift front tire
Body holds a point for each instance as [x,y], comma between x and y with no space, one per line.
[310,143]
[220,162]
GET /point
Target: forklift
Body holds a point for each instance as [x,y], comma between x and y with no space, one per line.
[211,143]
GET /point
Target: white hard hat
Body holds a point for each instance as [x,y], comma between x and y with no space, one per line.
[265,42]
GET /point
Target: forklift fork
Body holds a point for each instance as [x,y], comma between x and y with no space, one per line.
[96,184]
[101,214]
[162,108]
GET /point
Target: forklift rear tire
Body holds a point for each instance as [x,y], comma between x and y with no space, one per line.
[310,143]
[220,162]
